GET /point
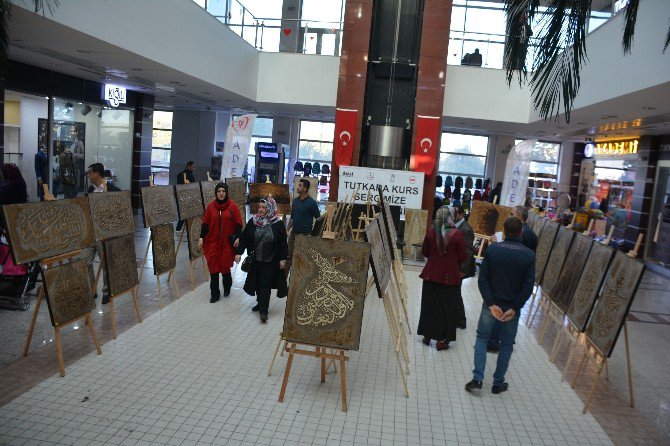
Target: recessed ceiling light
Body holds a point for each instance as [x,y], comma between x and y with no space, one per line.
[609,117]
[648,108]
[581,123]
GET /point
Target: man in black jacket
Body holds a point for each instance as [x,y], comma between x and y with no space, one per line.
[186,176]
[506,278]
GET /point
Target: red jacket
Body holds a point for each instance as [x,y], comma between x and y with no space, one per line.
[222,220]
[444,269]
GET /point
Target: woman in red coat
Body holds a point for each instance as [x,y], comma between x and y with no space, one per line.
[444,246]
[219,236]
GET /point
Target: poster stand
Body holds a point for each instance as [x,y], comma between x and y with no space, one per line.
[133,294]
[48,263]
[190,262]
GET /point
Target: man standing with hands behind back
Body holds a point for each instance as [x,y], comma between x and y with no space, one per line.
[506,278]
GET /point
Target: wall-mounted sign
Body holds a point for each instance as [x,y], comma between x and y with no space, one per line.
[115,95]
[401,187]
[617,149]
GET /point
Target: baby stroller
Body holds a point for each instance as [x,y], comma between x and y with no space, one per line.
[16,281]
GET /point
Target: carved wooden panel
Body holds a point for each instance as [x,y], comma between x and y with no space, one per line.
[279,192]
[381,258]
[120,263]
[189,200]
[327,292]
[575,261]
[389,232]
[538,226]
[415,229]
[162,244]
[614,301]
[46,229]
[208,189]
[532,217]
[159,205]
[556,259]
[544,245]
[237,191]
[589,283]
[68,292]
[193,226]
[112,214]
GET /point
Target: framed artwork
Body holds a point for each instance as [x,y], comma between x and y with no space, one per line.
[193,226]
[208,189]
[279,192]
[415,229]
[46,229]
[539,226]
[189,200]
[159,205]
[556,259]
[112,214]
[327,292]
[381,258]
[120,263]
[313,186]
[68,292]
[575,261]
[589,284]
[503,213]
[484,218]
[162,245]
[532,216]
[237,189]
[544,244]
[614,301]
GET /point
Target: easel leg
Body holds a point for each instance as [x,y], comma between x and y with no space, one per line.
[630,369]
[144,262]
[160,298]
[322,352]
[530,307]
[544,325]
[59,351]
[281,353]
[181,236]
[343,380]
[97,275]
[204,268]
[287,372]
[557,342]
[274,356]
[593,387]
[607,371]
[190,264]
[93,335]
[579,369]
[540,305]
[111,316]
[176,287]
[137,308]
[573,347]
[29,338]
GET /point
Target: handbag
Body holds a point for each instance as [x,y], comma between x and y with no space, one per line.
[248,262]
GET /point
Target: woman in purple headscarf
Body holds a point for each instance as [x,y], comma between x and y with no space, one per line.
[264,238]
[444,246]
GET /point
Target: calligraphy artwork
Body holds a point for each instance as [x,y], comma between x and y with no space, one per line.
[237,190]
[589,283]
[532,217]
[46,229]
[111,213]
[539,226]
[68,292]
[483,218]
[162,243]
[544,245]
[120,263]
[158,205]
[193,226]
[327,292]
[279,192]
[208,189]
[415,229]
[564,289]
[189,200]
[616,297]
[381,258]
[556,259]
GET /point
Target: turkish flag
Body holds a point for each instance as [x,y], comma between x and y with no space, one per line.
[426,144]
[345,132]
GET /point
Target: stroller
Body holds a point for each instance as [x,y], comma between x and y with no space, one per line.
[16,281]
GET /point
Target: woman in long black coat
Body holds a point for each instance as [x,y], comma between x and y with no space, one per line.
[264,238]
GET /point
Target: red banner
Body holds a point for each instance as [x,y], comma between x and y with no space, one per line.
[345,132]
[427,144]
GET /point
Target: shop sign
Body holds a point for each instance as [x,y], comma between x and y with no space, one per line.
[400,187]
[617,149]
[115,95]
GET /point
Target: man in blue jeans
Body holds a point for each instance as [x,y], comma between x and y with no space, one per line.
[506,278]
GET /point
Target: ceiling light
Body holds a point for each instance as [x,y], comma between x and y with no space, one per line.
[581,123]
[86,110]
[648,108]
[99,114]
[609,117]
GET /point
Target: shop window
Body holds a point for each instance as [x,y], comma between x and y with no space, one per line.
[316,141]
[463,155]
[543,175]
[161,146]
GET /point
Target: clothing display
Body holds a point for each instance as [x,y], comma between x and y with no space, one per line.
[298,167]
[325,169]
[438,181]
[308,169]
[316,168]
[448,181]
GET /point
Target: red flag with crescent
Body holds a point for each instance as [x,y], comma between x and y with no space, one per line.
[427,144]
[345,132]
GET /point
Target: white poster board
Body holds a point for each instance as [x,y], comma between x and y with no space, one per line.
[400,187]
[236,147]
[517,169]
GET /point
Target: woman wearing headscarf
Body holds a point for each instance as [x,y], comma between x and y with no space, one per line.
[264,238]
[219,236]
[444,247]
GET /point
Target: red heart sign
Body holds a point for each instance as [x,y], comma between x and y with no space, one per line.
[311,37]
[287,31]
[240,124]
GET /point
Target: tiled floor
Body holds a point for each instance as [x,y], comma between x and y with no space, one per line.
[196,373]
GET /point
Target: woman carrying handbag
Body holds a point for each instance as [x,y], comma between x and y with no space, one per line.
[264,238]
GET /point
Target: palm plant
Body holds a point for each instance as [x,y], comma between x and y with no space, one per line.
[561,49]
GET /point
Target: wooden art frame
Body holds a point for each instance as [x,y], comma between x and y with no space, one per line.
[112,214]
[121,264]
[189,200]
[162,245]
[159,205]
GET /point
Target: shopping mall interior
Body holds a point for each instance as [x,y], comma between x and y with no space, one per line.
[390,109]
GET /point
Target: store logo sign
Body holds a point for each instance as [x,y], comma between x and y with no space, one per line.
[115,95]
[617,149]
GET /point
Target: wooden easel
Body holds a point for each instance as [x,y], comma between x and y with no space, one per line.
[48,263]
[158,283]
[483,241]
[608,239]
[284,348]
[190,262]
[572,222]
[133,294]
[587,231]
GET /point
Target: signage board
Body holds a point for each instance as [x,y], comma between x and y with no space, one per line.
[115,95]
[400,187]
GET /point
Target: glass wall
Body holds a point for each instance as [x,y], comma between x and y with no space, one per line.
[84,134]
[262,132]
[463,155]
[316,146]
[161,147]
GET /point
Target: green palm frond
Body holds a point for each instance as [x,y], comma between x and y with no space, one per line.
[629,25]
[519,16]
[44,5]
[5,13]
[667,41]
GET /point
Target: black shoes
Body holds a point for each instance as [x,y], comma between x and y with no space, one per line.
[226,293]
[256,307]
[214,299]
[499,388]
[264,318]
[461,325]
[105,298]
[473,385]
[441,345]
[425,341]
